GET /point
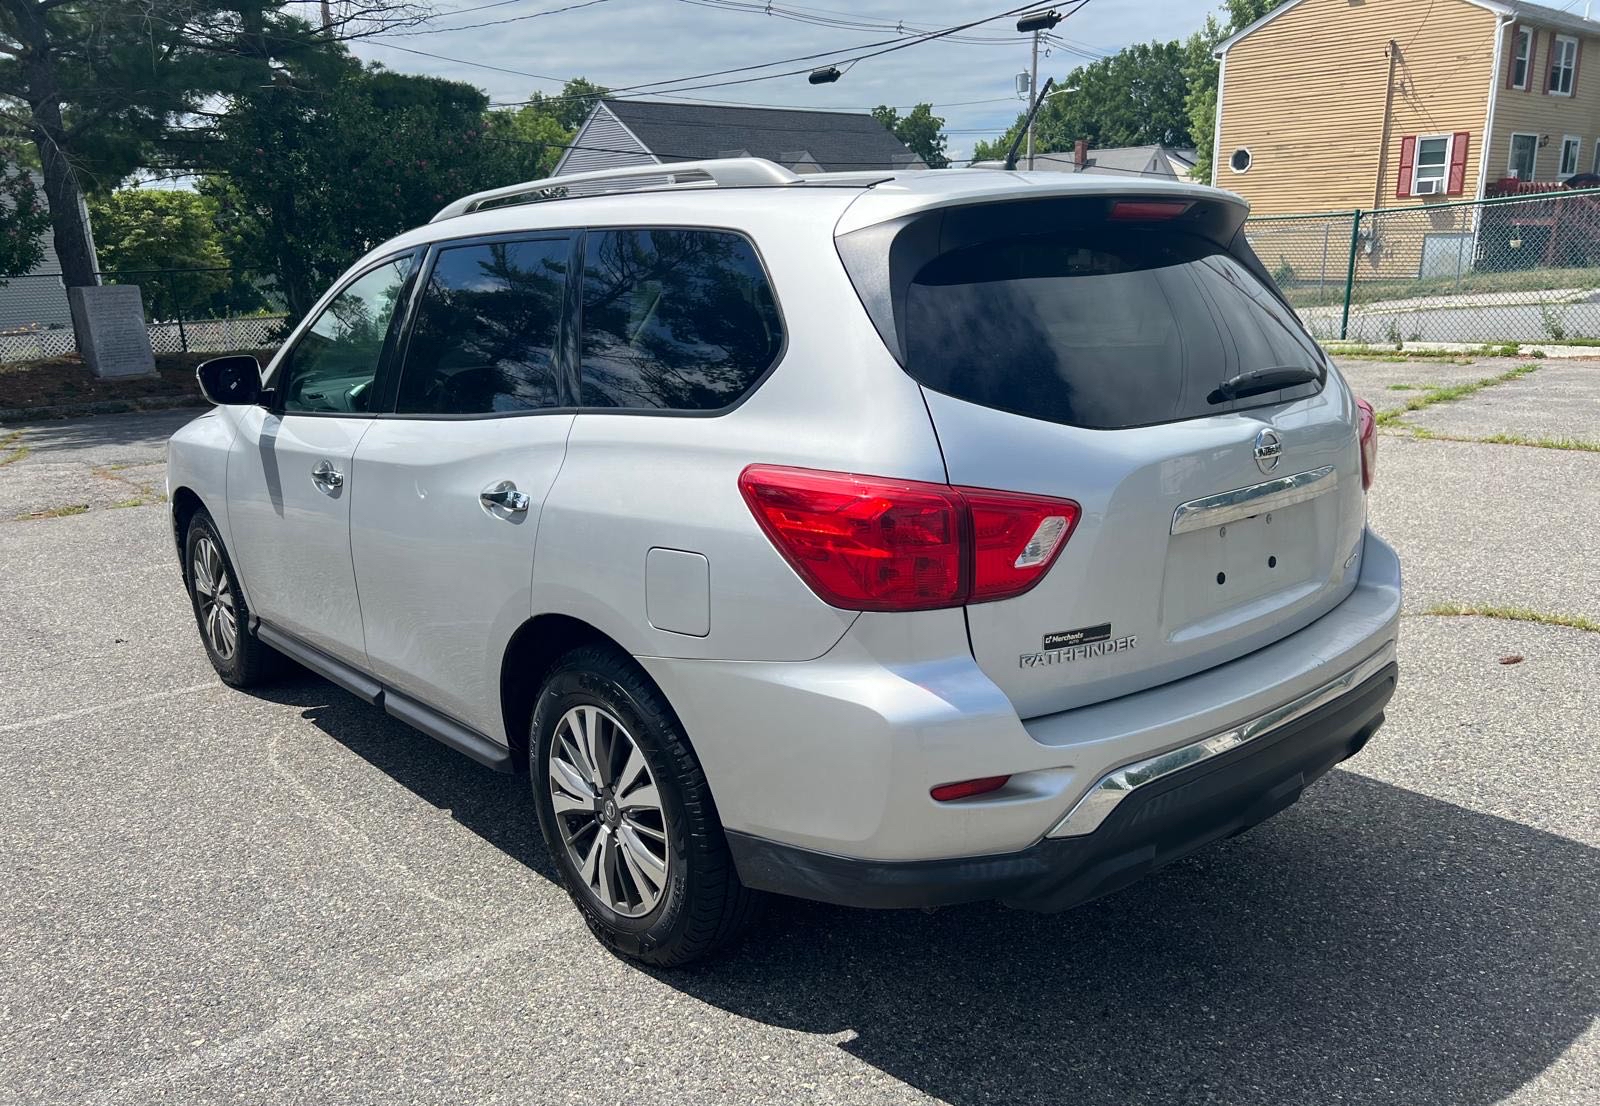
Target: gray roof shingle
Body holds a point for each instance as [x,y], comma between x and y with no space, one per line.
[832,140]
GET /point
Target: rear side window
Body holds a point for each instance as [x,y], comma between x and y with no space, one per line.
[1098,327]
[486,328]
[680,320]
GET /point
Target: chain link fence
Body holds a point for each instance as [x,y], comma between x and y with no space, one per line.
[1517,268]
[187,311]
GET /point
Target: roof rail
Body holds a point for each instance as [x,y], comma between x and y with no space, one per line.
[732,172]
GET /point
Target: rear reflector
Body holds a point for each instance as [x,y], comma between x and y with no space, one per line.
[867,543]
[1147,211]
[945,792]
[1369,443]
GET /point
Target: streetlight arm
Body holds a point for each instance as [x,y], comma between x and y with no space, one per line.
[1016,143]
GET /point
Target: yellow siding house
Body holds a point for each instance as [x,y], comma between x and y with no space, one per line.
[1330,105]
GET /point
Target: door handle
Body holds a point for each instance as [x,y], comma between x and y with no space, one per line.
[505,496]
[326,477]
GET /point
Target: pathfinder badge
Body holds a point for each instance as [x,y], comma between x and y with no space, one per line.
[1067,646]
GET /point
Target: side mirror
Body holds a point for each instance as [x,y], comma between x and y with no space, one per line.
[230,380]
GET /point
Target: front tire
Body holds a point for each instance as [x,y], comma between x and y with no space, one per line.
[628,816]
[220,610]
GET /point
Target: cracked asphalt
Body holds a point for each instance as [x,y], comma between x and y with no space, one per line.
[220,897]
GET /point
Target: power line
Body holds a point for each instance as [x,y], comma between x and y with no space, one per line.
[888,46]
[496,22]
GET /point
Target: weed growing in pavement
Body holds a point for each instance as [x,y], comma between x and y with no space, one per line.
[1553,320]
[9,449]
[1513,614]
[1503,438]
[55,512]
[1447,392]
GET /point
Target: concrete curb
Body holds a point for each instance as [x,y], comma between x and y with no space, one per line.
[99,407]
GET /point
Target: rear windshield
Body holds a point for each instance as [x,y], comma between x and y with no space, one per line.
[1102,326]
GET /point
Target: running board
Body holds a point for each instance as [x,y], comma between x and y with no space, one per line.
[414,714]
[353,680]
[447,730]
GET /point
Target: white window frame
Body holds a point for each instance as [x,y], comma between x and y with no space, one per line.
[1444,169]
[1523,36]
[1511,156]
[1575,144]
[1595,167]
[1571,66]
[1250,159]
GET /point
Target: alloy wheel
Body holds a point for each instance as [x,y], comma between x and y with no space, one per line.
[214,595]
[609,811]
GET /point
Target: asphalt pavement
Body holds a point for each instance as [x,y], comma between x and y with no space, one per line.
[288,897]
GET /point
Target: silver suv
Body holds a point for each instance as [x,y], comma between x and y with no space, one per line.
[894,540]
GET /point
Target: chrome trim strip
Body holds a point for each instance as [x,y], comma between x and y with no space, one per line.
[1099,801]
[1226,507]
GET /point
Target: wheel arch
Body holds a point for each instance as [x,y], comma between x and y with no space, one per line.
[186,503]
[530,654]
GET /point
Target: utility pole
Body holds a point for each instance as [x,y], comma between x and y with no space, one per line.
[1036,22]
[1033,82]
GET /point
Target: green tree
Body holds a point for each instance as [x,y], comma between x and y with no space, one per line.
[569,107]
[920,129]
[23,221]
[308,177]
[1135,97]
[1201,71]
[165,240]
[546,125]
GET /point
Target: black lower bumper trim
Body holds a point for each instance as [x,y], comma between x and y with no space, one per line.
[1153,826]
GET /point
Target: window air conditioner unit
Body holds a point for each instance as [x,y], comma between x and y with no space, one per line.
[1428,187]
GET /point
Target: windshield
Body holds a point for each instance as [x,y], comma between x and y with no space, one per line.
[1102,326]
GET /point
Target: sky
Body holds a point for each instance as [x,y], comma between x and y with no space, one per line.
[620,43]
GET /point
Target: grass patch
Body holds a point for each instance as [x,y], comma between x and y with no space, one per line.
[127,503]
[11,450]
[1575,444]
[1446,393]
[1513,614]
[56,512]
[1402,387]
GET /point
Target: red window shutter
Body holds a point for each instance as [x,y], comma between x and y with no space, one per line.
[1408,159]
[1458,163]
[1511,56]
[1533,60]
[1549,66]
[1577,56]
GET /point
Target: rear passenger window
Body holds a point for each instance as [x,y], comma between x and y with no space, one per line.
[680,320]
[485,335]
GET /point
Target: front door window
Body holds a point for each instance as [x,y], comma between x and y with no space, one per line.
[332,366]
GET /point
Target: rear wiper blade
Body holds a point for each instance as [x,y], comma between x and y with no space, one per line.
[1256,381]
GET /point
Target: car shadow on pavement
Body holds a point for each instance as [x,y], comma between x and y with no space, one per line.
[1369,945]
[495,806]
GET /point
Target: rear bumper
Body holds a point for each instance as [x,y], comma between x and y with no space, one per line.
[1156,820]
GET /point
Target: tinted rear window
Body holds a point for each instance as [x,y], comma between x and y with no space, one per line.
[680,320]
[1101,326]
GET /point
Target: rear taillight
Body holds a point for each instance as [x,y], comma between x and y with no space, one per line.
[1369,443]
[867,543]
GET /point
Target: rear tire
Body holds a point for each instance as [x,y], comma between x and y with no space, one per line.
[220,610]
[637,839]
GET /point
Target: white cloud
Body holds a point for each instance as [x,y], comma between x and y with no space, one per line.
[629,42]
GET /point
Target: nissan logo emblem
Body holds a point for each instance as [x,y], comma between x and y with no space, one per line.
[1269,450]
